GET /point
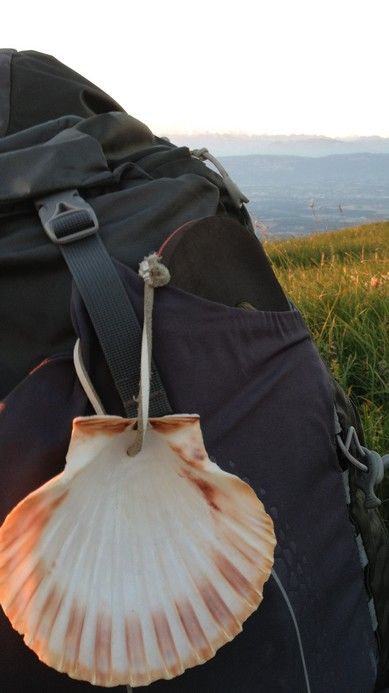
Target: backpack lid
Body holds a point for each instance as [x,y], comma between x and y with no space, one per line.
[49,114]
[35,87]
[69,152]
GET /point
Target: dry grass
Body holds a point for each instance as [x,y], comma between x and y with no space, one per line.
[340,282]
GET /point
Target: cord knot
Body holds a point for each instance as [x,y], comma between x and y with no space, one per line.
[153,271]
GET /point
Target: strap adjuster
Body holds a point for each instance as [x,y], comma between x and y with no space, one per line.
[368,482]
[371,471]
[66,217]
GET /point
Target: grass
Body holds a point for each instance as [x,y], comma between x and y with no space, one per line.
[340,282]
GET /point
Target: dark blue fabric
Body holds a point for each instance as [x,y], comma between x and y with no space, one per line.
[263,396]
[266,410]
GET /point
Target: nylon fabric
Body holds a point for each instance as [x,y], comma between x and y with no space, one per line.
[37,134]
[32,172]
[35,77]
[134,219]
[6,55]
[250,375]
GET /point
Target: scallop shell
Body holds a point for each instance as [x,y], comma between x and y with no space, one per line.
[125,570]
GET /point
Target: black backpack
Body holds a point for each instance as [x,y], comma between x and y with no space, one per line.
[85,193]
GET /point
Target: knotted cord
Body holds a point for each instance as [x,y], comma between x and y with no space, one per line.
[154,274]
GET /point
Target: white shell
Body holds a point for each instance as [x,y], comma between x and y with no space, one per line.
[125,570]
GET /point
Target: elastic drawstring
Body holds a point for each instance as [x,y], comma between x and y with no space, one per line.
[85,381]
[154,274]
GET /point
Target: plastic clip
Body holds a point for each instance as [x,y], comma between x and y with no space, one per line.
[352,437]
[366,481]
[66,217]
[370,472]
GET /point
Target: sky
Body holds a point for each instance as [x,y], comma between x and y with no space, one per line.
[241,66]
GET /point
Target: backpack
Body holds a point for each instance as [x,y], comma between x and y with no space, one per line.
[85,194]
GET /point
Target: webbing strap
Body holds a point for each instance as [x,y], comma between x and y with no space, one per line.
[108,305]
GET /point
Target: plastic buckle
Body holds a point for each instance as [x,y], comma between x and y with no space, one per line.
[366,481]
[66,217]
[352,437]
[370,472]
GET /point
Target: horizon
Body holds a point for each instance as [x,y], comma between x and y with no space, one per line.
[215,133]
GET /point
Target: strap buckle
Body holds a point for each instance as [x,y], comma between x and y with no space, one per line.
[66,217]
[352,437]
[370,472]
[374,476]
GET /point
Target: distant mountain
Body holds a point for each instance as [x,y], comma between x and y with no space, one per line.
[283,145]
[340,171]
[297,195]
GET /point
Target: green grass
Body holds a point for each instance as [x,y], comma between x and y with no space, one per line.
[340,282]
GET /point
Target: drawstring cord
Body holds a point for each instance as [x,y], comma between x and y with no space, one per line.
[154,274]
[85,381]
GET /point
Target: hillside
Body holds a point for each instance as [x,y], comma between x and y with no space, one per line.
[340,282]
[227,144]
[294,195]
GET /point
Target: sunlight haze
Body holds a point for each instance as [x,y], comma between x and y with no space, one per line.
[251,67]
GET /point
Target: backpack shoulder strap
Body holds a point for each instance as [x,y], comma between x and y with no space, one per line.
[71,223]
